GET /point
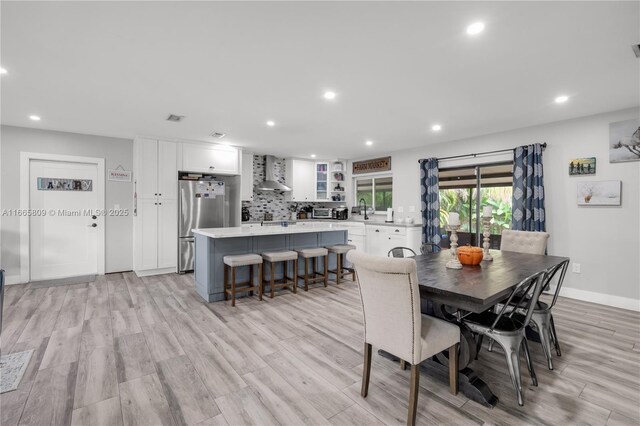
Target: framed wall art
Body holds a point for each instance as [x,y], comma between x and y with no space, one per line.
[599,193]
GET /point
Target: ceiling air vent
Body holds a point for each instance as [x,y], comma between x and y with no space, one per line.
[636,50]
[175,118]
[218,135]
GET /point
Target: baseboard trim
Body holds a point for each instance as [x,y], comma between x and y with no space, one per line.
[600,298]
[148,272]
[12,279]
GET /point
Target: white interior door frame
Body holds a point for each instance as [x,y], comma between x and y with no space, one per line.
[25,161]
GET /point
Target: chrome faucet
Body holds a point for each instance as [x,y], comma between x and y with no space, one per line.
[362,201]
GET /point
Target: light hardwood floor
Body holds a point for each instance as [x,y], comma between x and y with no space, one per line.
[128,350]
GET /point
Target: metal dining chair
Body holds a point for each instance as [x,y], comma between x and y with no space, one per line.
[400,252]
[508,327]
[429,248]
[542,319]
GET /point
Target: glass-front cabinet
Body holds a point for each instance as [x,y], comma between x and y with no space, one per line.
[322,181]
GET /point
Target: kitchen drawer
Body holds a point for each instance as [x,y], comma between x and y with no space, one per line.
[395,230]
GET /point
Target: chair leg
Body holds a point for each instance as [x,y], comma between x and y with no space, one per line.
[271,282]
[453,369]
[511,347]
[532,372]
[338,268]
[226,281]
[543,327]
[403,364]
[260,282]
[306,274]
[233,286]
[490,348]
[413,394]
[325,259]
[555,336]
[366,372]
[295,276]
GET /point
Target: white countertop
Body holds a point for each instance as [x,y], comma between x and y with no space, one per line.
[255,231]
[334,221]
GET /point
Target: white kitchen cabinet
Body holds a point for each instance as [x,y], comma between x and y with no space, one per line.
[382,238]
[209,159]
[167,233]
[300,177]
[146,238]
[322,181]
[156,221]
[167,170]
[146,173]
[246,186]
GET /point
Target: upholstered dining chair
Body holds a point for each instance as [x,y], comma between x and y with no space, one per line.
[393,321]
[524,241]
[508,327]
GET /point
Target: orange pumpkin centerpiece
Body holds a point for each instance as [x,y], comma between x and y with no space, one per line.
[468,255]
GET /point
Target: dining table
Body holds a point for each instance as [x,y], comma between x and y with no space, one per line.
[450,294]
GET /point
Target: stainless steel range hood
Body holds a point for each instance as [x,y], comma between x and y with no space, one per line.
[270,183]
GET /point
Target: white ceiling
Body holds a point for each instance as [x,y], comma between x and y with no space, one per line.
[119,68]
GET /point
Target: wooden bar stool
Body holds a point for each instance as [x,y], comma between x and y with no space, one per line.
[340,250]
[232,262]
[314,276]
[274,257]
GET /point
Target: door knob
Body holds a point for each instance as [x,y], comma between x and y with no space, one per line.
[94,217]
[93,225]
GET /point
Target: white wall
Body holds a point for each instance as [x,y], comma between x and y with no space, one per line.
[119,230]
[604,240]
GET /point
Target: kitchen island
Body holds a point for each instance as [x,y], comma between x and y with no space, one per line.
[212,244]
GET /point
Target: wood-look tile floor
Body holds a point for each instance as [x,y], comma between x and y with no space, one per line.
[126,350]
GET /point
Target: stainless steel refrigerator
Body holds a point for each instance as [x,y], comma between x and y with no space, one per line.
[203,203]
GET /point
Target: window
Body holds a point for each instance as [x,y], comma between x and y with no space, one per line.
[459,188]
[376,192]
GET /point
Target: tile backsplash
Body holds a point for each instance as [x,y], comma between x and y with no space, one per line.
[270,201]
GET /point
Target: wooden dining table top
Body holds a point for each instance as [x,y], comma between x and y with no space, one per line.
[477,288]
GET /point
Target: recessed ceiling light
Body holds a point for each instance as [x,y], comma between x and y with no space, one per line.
[313,156]
[329,95]
[561,99]
[436,127]
[369,143]
[475,28]
[34,117]
[271,123]
[3,71]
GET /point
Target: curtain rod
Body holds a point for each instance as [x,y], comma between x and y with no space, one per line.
[544,145]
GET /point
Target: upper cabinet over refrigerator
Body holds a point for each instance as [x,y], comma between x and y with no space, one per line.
[203,158]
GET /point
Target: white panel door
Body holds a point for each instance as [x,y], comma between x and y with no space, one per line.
[147,234]
[167,233]
[167,169]
[147,152]
[303,180]
[64,242]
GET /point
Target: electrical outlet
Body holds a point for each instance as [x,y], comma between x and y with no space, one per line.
[412,209]
[576,268]
[400,209]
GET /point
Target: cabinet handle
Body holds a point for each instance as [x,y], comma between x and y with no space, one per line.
[349,240]
[159,194]
[155,204]
[397,230]
[211,167]
[377,230]
[159,204]
[155,195]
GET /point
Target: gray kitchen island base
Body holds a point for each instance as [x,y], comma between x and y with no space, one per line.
[209,251]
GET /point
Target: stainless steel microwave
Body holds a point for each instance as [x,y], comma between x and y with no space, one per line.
[321,213]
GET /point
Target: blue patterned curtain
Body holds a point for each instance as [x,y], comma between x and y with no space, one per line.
[528,189]
[430,201]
